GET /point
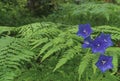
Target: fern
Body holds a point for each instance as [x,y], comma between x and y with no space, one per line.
[94,60]
[115,52]
[4,30]
[94,13]
[43,29]
[46,40]
[37,43]
[114,31]
[13,52]
[84,64]
[59,44]
[67,45]
[59,41]
[68,55]
[52,51]
[45,47]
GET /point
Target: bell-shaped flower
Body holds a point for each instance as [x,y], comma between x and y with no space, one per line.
[100,43]
[106,38]
[104,63]
[87,42]
[98,46]
[84,30]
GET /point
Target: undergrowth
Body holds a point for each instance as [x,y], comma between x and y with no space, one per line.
[52,51]
[93,13]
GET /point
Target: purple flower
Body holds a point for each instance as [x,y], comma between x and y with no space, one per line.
[104,63]
[87,42]
[98,46]
[106,38]
[84,30]
[101,42]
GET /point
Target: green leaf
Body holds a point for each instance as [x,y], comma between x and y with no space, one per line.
[84,64]
[39,42]
[68,55]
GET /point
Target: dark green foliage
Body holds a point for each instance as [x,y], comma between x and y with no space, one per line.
[94,13]
[37,73]
[20,12]
[41,7]
[57,49]
[48,51]
[15,15]
[13,54]
[65,45]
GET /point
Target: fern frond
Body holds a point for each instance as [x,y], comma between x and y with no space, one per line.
[45,47]
[43,29]
[47,32]
[115,52]
[94,60]
[115,63]
[60,43]
[114,31]
[13,53]
[4,30]
[68,55]
[84,64]
[53,50]
[37,43]
[94,13]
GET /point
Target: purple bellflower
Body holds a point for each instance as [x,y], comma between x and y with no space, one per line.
[104,63]
[101,42]
[87,42]
[98,46]
[84,30]
[106,38]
